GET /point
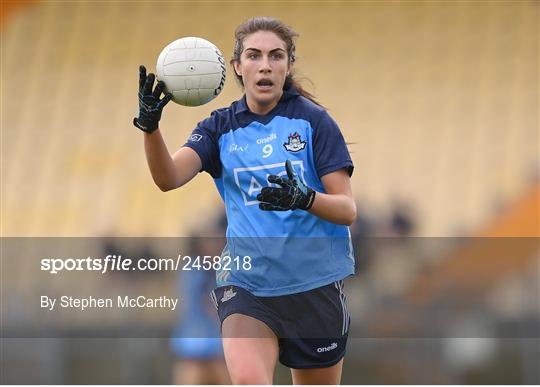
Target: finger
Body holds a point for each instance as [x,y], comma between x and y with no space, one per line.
[147,90]
[265,198]
[278,180]
[290,170]
[270,190]
[269,197]
[165,100]
[142,77]
[272,193]
[270,207]
[159,89]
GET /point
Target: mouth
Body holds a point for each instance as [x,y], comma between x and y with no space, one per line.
[264,84]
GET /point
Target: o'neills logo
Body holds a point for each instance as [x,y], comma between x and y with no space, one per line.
[331,347]
[268,139]
[218,89]
[295,143]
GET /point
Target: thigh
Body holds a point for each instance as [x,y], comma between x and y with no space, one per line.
[250,348]
[328,375]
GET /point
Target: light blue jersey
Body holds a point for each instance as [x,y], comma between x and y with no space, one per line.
[291,251]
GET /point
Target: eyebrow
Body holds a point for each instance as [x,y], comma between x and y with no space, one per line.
[257,50]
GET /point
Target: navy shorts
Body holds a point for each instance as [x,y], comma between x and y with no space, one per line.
[312,327]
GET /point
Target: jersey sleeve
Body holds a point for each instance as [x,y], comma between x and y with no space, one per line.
[203,140]
[329,149]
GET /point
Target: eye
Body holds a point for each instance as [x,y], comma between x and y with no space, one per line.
[252,55]
[277,56]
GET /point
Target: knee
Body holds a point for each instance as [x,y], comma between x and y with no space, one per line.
[250,376]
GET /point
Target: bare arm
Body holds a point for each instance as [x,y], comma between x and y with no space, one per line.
[337,204]
[169,172]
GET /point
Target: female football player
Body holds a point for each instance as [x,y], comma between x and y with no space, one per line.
[282,167]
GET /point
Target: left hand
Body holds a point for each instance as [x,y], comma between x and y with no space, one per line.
[293,193]
[150,104]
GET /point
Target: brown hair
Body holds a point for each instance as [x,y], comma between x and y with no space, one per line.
[285,33]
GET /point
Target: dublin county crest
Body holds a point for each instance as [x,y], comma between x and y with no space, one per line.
[295,143]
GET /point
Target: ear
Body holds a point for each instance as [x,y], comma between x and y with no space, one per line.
[238,68]
[290,68]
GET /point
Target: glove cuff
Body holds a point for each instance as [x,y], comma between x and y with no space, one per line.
[309,200]
[146,129]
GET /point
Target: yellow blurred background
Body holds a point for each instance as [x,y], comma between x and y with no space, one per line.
[440,101]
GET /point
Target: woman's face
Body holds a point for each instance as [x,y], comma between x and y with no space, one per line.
[263,66]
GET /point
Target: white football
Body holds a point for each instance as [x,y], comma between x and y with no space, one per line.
[193,70]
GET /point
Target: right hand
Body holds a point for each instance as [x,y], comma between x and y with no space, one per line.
[293,193]
[150,106]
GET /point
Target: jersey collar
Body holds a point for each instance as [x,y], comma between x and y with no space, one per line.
[241,105]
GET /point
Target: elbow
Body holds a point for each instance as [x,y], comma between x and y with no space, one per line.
[351,215]
[166,186]
[349,220]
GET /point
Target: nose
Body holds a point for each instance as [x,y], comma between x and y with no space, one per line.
[265,65]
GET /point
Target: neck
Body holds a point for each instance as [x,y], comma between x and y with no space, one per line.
[261,108]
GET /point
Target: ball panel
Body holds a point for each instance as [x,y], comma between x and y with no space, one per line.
[189,68]
[183,54]
[190,43]
[186,82]
[192,69]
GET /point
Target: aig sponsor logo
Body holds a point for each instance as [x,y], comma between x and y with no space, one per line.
[251,180]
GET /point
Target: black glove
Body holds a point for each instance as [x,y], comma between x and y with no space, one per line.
[150,106]
[292,195]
